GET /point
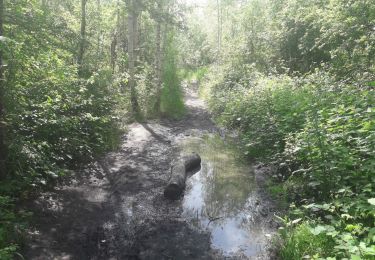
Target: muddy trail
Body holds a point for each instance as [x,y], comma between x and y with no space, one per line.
[115,209]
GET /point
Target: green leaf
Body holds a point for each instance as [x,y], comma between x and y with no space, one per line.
[318,230]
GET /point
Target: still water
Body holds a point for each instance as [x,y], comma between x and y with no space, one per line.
[221,197]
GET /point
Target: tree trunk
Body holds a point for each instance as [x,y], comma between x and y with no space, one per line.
[115,37]
[44,4]
[82,43]
[132,21]
[158,68]
[114,52]
[99,31]
[3,152]
[137,33]
[218,26]
[179,173]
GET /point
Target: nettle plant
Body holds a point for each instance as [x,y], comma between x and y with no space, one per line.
[335,151]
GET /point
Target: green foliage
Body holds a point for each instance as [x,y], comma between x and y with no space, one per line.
[12,224]
[336,31]
[296,81]
[7,253]
[265,111]
[60,114]
[334,153]
[337,142]
[193,41]
[320,133]
[303,242]
[195,75]
[54,119]
[172,97]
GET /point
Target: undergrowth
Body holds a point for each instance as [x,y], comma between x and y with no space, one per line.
[319,133]
[53,125]
[172,102]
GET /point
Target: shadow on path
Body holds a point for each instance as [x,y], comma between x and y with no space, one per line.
[154,134]
[114,208]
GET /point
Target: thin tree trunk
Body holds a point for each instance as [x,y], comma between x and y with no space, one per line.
[114,52]
[123,33]
[221,26]
[164,35]
[99,39]
[136,33]
[82,43]
[218,26]
[132,57]
[117,37]
[3,152]
[159,56]
[44,4]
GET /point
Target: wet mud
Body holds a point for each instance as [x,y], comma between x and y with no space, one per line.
[114,208]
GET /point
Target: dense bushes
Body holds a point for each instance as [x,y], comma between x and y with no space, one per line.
[70,79]
[61,127]
[12,225]
[320,133]
[55,119]
[334,155]
[301,242]
[296,80]
[265,112]
[172,103]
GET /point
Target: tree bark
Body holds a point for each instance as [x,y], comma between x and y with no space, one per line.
[119,41]
[132,21]
[219,24]
[159,56]
[136,31]
[99,31]
[114,52]
[3,150]
[82,43]
[179,171]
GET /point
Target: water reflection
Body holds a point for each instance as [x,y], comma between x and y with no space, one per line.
[220,197]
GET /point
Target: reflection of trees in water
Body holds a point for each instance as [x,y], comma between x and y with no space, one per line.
[227,182]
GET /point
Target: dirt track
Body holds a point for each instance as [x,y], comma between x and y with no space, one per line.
[114,208]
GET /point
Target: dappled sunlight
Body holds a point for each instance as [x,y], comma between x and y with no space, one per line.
[101,101]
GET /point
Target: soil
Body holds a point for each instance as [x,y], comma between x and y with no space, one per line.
[115,209]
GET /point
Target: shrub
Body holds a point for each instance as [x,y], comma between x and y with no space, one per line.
[301,242]
[321,134]
[172,103]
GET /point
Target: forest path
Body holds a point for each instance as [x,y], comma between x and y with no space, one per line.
[114,208]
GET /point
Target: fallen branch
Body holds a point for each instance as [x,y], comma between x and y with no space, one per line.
[179,170]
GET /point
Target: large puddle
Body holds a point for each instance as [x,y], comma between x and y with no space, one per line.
[221,198]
